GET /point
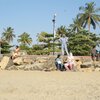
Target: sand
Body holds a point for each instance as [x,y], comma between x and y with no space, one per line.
[56,85]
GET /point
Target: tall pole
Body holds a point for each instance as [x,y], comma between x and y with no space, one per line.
[54,32]
[0,47]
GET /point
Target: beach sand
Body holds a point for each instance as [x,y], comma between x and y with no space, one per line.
[55,85]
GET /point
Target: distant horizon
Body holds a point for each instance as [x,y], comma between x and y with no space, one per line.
[35,16]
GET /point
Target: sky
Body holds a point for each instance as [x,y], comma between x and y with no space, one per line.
[35,16]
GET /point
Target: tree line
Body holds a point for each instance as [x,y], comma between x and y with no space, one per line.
[81,39]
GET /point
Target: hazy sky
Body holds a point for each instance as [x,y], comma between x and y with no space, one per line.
[35,16]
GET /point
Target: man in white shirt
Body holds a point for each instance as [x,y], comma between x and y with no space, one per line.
[64,41]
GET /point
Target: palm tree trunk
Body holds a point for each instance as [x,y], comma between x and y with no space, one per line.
[89,21]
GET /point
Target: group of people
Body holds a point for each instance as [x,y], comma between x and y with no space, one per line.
[68,62]
[65,64]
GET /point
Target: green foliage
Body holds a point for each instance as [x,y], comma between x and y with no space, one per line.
[39,52]
[89,15]
[5,48]
[24,47]
[8,35]
[80,40]
[38,47]
[61,30]
[46,39]
[76,26]
[29,51]
[24,39]
[82,43]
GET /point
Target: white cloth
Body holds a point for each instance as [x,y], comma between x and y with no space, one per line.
[59,62]
[64,41]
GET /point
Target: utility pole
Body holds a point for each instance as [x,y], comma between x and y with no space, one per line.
[53,20]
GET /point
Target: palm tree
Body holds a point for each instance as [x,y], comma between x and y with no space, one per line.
[89,15]
[25,39]
[61,30]
[76,26]
[8,34]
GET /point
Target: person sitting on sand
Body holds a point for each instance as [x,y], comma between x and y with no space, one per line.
[15,53]
[58,63]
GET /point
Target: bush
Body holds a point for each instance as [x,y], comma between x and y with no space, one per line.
[5,48]
[37,47]
[41,52]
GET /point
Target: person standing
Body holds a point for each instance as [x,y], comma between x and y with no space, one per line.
[98,52]
[64,42]
[93,53]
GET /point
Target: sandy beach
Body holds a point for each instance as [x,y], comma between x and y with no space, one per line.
[55,85]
